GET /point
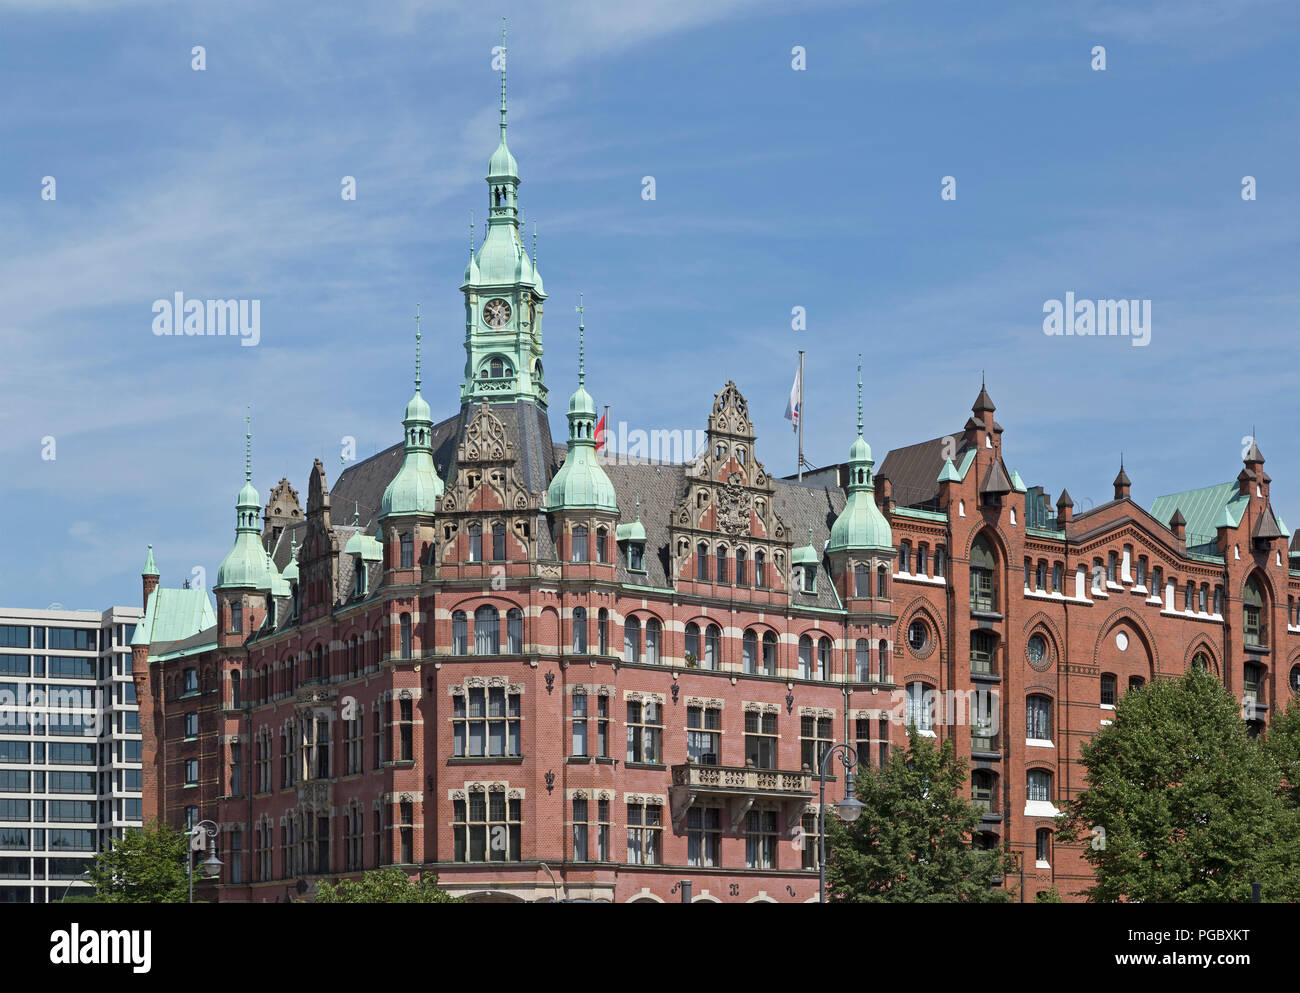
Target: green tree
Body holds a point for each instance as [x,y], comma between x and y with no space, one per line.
[1052,895]
[1180,804]
[143,866]
[1283,744]
[912,842]
[385,886]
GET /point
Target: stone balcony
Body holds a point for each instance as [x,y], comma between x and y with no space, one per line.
[740,788]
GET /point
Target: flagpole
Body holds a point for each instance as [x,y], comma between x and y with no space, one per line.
[801,415]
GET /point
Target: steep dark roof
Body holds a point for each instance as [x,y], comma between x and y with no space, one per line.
[983,402]
[1064,499]
[1266,526]
[995,480]
[913,471]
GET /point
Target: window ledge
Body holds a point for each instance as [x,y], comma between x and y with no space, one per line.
[1107,706]
[476,760]
[646,765]
[1040,864]
[1107,724]
[1039,743]
[1040,808]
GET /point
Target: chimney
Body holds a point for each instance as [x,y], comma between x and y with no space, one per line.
[886,490]
[1245,482]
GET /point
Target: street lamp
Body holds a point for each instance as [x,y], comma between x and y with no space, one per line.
[203,831]
[848,809]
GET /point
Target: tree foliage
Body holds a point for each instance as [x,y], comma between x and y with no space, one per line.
[1190,808]
[385,886]
[143,866]
[912,842]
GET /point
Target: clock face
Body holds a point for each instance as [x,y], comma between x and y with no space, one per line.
[496,312]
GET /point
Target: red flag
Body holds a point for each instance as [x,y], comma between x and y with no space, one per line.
[600,433]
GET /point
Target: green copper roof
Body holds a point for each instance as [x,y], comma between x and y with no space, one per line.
[948,474]
[416,487]
[860,525]
[291,570]
[1017,482]
[581,481]
[634,531]
[246,564]
[171,615]
[365,545]
[1205,510]
[805,554]
[150,568]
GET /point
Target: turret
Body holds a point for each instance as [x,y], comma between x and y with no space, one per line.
[148,577]
[1122,483]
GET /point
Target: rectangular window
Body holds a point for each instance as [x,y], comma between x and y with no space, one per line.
[760,739]
[760,839]
[486,723]
[703,836]
[486,827]
[580,830]
[15,636]
[815,736]
[644,732]
[407,550]
[703,735]
[191,772]
[579,737]
[644,830]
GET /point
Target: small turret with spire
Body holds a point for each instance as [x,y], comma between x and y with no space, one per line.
[1122,483]
[416,487]
[581,482]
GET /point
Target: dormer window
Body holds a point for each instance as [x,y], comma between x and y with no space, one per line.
[635,556]
[809,584]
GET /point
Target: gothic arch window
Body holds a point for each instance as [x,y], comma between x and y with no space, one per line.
[515,631]
[722,563]
[702,562]
[805,657]
[882,581]
[580,630]
[602,631]
[769,653]
[742,577]
[862,660]
[882,664]
[1254,624]
[983,583]
[749,651]
[824,658]
[712,647]
[405,623]
[602,545]
[760,570]
[498,541]
[487,630]
[475,542]
[632,640]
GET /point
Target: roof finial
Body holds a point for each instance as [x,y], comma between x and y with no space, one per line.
[503,79]
[534,244]
[859,394]
[638,508]
[293,546]
[417,348]
[356,513]
[248,444]
[581,353]
[471,234]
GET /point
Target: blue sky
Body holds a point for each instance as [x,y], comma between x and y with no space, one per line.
[775,189]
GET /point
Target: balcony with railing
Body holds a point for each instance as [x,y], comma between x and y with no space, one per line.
[741,787]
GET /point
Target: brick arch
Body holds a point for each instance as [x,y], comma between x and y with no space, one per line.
[1202,644]
[1261,575]
[996,536]
[921,605]
[1133,618]
[1041,622]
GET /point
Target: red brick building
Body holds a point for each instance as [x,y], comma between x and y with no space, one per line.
[539,671]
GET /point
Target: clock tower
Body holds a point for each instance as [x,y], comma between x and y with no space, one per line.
[503,293]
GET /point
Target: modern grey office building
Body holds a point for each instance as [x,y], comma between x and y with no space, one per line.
[70,746]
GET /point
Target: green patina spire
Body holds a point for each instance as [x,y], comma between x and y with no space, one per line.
[246,565]
[860,525]
[634,531]
[150,567]
[581,482]
[416,487]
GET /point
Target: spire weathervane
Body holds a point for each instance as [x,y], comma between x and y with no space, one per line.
[581,354]
[503,79]
[417,348]
[248,444]
[859,394]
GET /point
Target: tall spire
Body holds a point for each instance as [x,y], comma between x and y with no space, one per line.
[503,79]
[859,394]
[417,348]
[582,373]
[248,444]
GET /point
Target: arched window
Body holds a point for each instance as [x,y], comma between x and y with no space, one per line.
[632,640]
[920,707]
[983,791]
[742,575]
[882,581]
[1038,718]
[749,651]
[653,636]
[602,631]
[769,653]
[1038,786]
[234,688]
[805,657]
[515,631]
[939,564]
[1108,689]
[982,647]
[1043,848]
[862,660]
[459,634]
[712,647]
[760,570]
[882,662]
[861,580]
[692,646]
[702,562]
[498,541]
[580,630]
[1040,576]
[498,368]
[579,541]
[905,556]
[406,635]
[1253,624]
[487,631]
[722,563]
[602,545]
[1295,679]
[1135,683]
[824,658]
[982,586]
[476,542]
[922,560]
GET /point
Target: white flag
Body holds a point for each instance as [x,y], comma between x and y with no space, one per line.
[792,405]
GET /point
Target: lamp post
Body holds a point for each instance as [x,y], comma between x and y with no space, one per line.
[848,809]
[203,831]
